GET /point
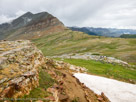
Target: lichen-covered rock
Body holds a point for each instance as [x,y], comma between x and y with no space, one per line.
[19,63]
[88,56]
[62,65]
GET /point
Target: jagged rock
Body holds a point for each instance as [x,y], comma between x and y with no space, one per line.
[100,99]
[17,80]
[51,90]
[61,82]
[104,97]
[2,80]
[62,65]
[19,63]
[64,75]
[28,74]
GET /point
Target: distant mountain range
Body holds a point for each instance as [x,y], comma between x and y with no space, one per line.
[110,32]
[128,36]
[30,26]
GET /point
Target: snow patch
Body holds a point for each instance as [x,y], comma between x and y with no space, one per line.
[116,91]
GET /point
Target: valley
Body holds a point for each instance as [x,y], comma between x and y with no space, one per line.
[77,42]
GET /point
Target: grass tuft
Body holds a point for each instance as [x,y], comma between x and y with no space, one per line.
[45,81]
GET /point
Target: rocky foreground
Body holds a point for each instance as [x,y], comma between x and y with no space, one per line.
[20,63]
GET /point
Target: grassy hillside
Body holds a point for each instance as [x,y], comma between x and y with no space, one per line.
[128,36]
[75,42]
[104,69]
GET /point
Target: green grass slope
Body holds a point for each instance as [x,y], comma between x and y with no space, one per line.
[76,42]
[104,69]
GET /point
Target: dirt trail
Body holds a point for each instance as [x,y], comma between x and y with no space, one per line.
[69,89]
[73,89]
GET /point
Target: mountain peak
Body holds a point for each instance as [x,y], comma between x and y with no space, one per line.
[42,13]
[27,26]
[27,14]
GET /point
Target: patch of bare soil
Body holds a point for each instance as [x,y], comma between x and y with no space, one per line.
[69,89]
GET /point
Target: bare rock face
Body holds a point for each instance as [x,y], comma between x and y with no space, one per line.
[19,64]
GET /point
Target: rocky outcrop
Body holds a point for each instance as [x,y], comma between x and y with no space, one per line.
[19,63]
[89,56]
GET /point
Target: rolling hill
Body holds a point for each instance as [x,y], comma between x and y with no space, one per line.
[77,42]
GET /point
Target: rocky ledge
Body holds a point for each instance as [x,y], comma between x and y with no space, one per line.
[19,63]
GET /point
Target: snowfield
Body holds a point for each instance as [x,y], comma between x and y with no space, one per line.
[116,91]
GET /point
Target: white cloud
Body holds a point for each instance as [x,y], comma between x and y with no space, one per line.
[19,13]
[5,19]
[98,13]
[8,19]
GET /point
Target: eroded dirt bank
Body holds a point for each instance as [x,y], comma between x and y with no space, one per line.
[69,89]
